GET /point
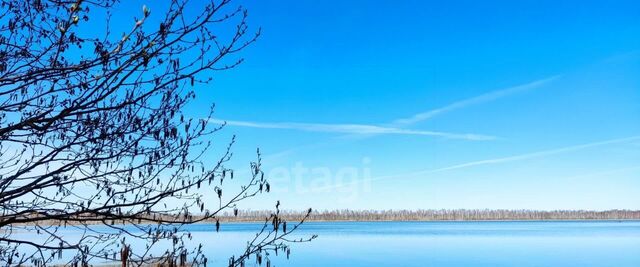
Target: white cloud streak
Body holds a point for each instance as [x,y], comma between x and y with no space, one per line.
[524,156]
[473,101]
[350,129]
[395,127]
[420,174]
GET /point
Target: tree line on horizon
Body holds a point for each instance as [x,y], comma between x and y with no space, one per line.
[440,215]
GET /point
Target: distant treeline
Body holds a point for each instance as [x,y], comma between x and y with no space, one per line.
[440,215]
[388,215]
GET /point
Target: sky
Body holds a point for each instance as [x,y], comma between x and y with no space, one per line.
[437,105]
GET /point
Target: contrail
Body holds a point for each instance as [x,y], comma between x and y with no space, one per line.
[524,156]
[351,129]
[473,101]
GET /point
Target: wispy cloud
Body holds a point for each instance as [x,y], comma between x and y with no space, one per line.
[350,129]
[472,101]
[574,177]
[532,155]
[526,156]
[396,126]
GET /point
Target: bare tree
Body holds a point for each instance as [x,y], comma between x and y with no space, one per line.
[92,131]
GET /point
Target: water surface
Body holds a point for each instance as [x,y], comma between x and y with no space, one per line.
[601,243]
[447,244]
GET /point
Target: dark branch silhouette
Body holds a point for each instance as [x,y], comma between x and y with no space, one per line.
[92,131]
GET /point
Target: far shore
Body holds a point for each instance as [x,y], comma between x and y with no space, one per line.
[409,216]
[380,221]
[408,221]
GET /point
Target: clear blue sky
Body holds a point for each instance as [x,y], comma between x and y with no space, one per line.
[447,104]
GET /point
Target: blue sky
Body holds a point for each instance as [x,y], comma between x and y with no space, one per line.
[449,104]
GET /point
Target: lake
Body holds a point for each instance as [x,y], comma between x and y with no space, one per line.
[465,244]
[558,243]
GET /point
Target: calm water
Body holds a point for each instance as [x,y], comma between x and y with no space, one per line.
[444,244]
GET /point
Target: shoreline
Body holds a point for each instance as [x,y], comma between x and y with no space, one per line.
[328,216]
[377,221]
[506,220]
